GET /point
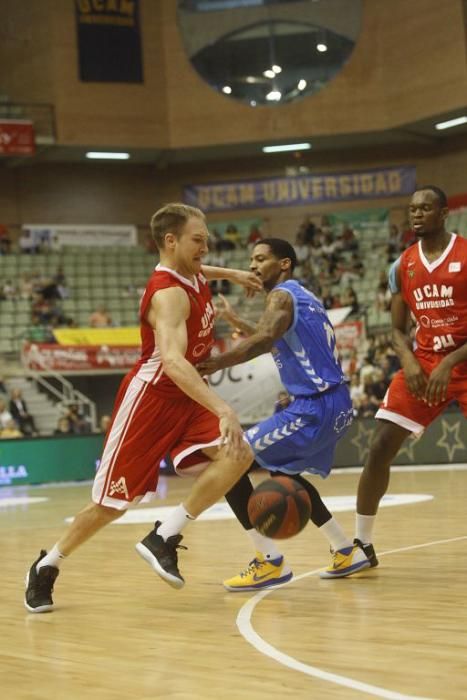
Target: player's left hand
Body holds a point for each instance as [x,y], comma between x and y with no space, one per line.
[209,366]
[250,282]
[437,384]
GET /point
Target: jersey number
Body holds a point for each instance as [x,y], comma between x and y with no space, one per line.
[331,340]
[441,342]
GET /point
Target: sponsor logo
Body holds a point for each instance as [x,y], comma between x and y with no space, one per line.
[8,473]
[199,349]
[118,487]
[454,267]
[425,321]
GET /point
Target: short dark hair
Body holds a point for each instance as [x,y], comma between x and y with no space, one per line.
[280,249]
[442,198]
[172,218]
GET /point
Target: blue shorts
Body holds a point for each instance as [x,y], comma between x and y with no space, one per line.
[303,437]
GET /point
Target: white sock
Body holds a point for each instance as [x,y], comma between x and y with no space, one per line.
[53,558]
[264,545]
[335,535]
[175,522]
[364,525]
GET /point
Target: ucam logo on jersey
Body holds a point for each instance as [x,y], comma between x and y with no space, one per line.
[454,267]
[439,296]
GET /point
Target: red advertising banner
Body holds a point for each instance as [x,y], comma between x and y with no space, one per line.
[349,334]
[17,138]
[71,358]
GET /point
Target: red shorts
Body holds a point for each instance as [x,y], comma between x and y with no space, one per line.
[401,407]
[145,428]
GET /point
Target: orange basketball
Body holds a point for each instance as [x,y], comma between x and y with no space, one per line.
[279,507]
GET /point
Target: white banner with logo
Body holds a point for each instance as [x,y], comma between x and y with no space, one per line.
[56,236]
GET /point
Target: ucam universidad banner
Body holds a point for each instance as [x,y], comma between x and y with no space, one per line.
[307,189]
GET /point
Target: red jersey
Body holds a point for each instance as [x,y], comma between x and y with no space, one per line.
[436,293]
[199,325]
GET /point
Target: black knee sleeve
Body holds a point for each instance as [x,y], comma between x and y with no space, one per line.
[319,513]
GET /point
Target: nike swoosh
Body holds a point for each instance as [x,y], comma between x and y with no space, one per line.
[260,578]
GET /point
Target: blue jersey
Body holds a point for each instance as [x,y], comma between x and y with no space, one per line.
[306,355]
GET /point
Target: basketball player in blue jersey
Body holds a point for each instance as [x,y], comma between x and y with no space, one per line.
[303,436]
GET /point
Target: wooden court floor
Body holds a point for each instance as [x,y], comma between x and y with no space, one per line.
[119,632]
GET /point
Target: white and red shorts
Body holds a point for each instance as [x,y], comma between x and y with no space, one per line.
[146,426]
[401,407]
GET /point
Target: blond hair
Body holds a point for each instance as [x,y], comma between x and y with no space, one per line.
[171,219]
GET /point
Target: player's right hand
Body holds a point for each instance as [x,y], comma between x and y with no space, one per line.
[232,435]
[415,378]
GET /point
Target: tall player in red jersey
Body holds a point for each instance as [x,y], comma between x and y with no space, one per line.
[429,283]
[163,407]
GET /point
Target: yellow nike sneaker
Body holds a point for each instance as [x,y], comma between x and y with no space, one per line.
[346,562]
[260,573]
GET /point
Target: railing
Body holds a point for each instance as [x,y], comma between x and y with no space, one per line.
[66,394]
[41,115]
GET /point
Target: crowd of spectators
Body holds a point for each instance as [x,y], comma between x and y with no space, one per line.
[326,259]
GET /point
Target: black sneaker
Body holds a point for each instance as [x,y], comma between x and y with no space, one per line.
[162,556]
[39,587]
[369,551]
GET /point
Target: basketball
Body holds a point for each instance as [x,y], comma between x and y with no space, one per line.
[279,508]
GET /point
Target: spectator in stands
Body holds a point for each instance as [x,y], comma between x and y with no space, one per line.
[9,290]
[283,400]
[327,298]
[349,298]
[394,244]
[5,240]
[5,415]
[379,385]
[254,235]
[383,297]
[302,251]
[61,285]
[78,421]
[215,258]
[104,423]
[63,427]
[309,229]
[100,318]
[356,389]
[232,238]
[10,431]
[25,285]
[366,407]
[348,239]
[27,243]
[39,332]
[19,411]
[408,236]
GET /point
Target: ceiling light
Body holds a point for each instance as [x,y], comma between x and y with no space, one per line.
[450,123]
[321,47]
[287,147]
[301,84]
[276,69]
[250,79]
[227,89]
[269,73]
[274,96]
[98,155]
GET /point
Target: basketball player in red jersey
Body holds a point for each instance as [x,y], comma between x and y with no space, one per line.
[429,282]
[163,407]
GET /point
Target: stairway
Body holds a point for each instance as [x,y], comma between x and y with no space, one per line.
[44,411]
